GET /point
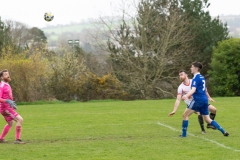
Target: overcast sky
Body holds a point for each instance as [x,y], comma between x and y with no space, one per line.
[31,12]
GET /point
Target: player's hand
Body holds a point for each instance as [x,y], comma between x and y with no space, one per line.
[171,114]
[15,107]
[184,97]
[211,100]
[11,103]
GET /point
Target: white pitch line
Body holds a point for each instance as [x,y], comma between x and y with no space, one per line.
[206,139]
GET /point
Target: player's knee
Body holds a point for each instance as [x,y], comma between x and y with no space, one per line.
[10,123]
[19,119]
[184,116]
[208,121]
[212,109]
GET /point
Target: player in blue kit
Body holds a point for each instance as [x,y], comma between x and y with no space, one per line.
[199,101]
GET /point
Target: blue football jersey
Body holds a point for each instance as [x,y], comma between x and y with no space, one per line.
[198,82]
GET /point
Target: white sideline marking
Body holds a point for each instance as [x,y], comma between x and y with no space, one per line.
[206,139]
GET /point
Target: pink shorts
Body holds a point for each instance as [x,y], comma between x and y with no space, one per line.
[9,114]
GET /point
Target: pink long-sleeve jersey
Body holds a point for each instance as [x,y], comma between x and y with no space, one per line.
[5,93]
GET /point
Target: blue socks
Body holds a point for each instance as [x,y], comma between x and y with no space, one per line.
[213,123]
[184,128]
[216,125]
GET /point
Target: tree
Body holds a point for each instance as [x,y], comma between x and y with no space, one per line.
[37,35]
[69,71]
[147,54]
[5,39]
[29,75]
[225,73]
[206,30]
[36,38]
[18,32]
[17,36]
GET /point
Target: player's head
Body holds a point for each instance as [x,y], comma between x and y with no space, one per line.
[196,67]
[4,74]
[182,75]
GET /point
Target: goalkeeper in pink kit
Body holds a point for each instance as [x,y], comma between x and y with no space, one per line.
[8,107]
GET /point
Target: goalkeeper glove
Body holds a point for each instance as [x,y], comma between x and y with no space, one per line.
[11,103]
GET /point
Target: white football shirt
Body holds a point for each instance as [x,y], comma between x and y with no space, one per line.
[184,89]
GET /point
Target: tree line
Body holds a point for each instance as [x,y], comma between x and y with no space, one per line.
[164,37]
[145,53]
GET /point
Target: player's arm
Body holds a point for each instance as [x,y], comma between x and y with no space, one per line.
[209,97]
[177,102]
[1,99]
[189,94]
[10,102]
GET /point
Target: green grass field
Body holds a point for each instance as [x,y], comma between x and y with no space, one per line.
[121,130]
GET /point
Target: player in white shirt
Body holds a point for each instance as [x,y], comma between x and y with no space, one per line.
[183,89]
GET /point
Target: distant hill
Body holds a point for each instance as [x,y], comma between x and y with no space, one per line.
[53,32]
[78,30]
[233,22]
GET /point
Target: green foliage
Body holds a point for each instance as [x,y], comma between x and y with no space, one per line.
[35,40]
[121,130]
[66,79]
[105,87]
[147,54]
[17,37]
[37,35]
[29,76]
[225,73]
[92,87]
[71,79]
[41,102]
[207,31]
[165,36]
[38,74]
[5,39]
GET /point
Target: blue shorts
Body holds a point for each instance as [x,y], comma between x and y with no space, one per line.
[201,107]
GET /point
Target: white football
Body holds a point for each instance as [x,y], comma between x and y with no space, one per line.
[48,16]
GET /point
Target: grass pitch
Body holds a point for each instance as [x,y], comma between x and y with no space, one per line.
[121,130]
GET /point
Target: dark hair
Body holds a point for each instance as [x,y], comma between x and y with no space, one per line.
[182,70]
[197,65]
[1,73]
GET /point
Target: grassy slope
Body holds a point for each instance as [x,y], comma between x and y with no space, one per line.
[74,28]
[120,130]
[68,28]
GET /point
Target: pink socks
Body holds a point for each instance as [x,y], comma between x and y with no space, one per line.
[5,131]
[18,132]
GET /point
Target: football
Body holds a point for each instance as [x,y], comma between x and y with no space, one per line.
[48,16]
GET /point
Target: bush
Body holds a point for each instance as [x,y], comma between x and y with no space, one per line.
[225,73]
[29,76]
[105,87]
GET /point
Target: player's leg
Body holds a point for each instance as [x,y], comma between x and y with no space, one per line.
[19,121]
[5,131]
[8,118]
[185,116]
[201,122]
[213,112]
[215,124]
[206,117]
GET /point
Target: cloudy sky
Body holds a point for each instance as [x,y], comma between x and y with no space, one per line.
[31,12]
